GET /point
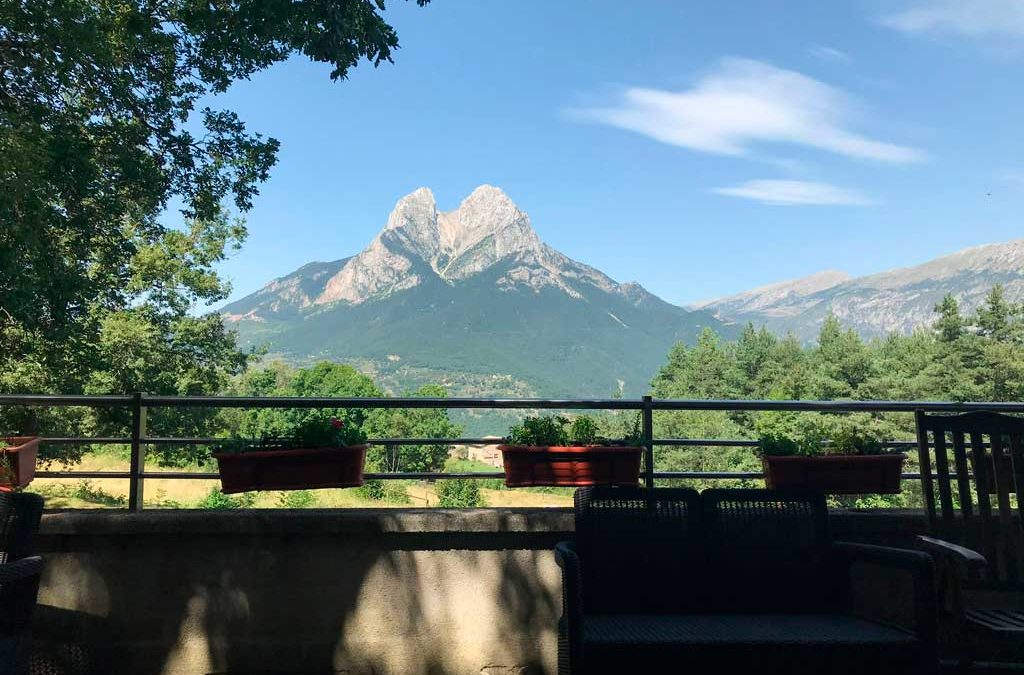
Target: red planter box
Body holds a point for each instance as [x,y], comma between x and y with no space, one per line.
[296,469]
[20,456]
[836,474]
[572,466]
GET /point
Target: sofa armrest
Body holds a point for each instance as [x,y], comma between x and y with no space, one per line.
[921,569]
[570,628]
[969,562]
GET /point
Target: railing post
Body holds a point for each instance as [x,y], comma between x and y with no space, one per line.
[138,456]
[648,438]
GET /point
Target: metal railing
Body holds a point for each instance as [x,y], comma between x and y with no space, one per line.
[139,405]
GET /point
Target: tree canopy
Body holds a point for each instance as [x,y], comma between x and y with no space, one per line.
[106,120]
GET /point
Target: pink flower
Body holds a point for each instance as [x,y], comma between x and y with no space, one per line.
[336,423]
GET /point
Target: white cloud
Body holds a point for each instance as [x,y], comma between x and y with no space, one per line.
[971,18]
[743,102]
[795,192]
[826,53]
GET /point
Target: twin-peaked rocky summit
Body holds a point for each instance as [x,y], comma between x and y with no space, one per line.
[473,293]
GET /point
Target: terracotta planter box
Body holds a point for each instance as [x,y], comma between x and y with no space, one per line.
[20,457]
[295,469]
[836,474]
[571,466]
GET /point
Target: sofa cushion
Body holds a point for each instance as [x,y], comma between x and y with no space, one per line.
[640,551]
[769,551]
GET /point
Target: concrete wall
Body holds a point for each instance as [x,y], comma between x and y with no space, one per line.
[363,591]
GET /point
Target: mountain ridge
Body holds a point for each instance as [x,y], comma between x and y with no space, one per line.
[899,300]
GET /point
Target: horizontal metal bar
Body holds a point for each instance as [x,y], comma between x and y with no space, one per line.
[835,406]
[372,441]
[82,474]
[78,440]
[682,442]
[408,402]
[63,400]
[388,442]
[709,442]
[736,475]
[409,475]
[426,475]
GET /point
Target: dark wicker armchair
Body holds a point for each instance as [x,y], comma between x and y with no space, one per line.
[668,580]
[19,577]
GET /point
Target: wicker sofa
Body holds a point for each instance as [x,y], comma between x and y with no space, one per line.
[671,580]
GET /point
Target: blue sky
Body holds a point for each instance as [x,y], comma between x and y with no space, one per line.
[698,148]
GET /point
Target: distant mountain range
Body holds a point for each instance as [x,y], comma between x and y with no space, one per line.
[474,299]
[899,300]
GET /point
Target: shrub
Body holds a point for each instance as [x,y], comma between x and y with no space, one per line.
[459,493]
[296,499]
[216,499]
[390,491]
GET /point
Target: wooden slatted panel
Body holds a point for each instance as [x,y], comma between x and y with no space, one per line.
[981,469]
[963,479]
[1017,464]
[1007,535]
[945,492]
[927,482]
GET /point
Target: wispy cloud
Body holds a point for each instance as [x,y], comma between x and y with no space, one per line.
[743,102]
[970,18]
[826,53]
[795,193]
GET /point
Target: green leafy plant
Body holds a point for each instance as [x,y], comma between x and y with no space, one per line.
[558,430]
[583,431]
[311,431]
[857,435]
[813,434]
[540,431]
[6,468]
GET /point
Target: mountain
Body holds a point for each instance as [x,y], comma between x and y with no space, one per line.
[900,300]
[474,298]
[772,298]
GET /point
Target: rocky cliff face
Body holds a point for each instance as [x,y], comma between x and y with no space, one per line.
[900,300]
[419,242]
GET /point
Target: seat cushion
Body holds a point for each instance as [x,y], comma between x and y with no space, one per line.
[781,643]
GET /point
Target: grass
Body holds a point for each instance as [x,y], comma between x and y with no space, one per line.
[196,493]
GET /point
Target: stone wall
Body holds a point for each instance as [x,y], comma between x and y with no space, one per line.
[363,591]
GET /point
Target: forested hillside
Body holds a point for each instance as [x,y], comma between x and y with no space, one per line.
[976,357]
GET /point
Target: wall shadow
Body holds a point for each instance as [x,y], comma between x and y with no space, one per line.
[295,592]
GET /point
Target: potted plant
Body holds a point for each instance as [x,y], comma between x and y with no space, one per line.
[557,451]
[318,452]
[836,456]
[17,461]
